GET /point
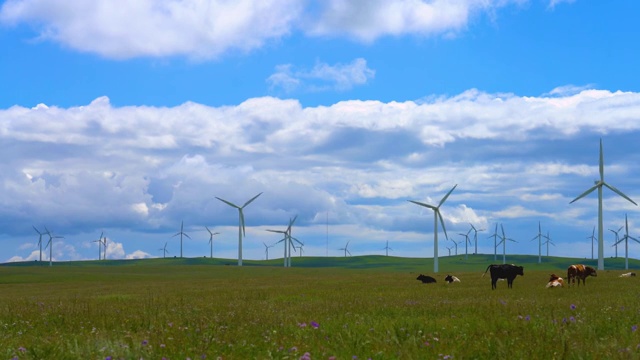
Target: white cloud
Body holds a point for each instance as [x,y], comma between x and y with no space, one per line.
[115,250]
[554,3]
[322,77]
[210,28]
[150,28]
[138,254]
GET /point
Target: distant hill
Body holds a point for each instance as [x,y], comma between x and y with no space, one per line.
[477,262]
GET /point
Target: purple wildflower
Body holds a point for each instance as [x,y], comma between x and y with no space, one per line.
[527,318]
[22,349]
[572,319]
[315,325]
[107,358]
[293,349]
[306,356]
[572,307]
[302,325]
[144,342]
[634,328]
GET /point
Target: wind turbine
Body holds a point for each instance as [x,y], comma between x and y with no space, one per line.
[346,249]
[50,244]
[504,245]
[455,244]
[495,237]
[598,185]
[211,240]
[387,248]
[104,246]
[39,241]
[449,248]
[266,250]
[626,238]
[164,250]
[99,241]
[241,230]
[466,243]
[181,233]
[539,237]
[615,242]
[436,215]
[288,241]
[475,236]
[548,242]
[285,240]
[592,237]
[291,238]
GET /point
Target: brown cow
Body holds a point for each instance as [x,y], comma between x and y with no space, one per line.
[555,281]
[581,272]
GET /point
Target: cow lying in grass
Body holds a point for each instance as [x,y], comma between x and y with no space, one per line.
[451,279]
[555,281]
[629,274]
[426,279]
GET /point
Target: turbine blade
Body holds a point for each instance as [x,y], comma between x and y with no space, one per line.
[228,203]
[442,223]
[619,193]
[586,192]
[423,204]
[601,163]
[249,202]
[446,196]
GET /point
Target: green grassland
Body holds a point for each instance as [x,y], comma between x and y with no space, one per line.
[364,307]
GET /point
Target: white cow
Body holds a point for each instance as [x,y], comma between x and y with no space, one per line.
[451,279]
[629,274]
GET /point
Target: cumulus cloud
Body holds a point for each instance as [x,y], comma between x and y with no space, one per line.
[210,28]
[322,77]
[143,168]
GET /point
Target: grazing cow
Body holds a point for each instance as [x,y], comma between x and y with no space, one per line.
[555,281]
[504,271]
[581,272]
[426,279]
[450,279]
[629,274]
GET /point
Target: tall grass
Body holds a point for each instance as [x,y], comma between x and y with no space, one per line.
[198,311]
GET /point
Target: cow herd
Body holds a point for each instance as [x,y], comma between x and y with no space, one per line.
[510,272]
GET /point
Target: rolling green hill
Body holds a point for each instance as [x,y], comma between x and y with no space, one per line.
[452,264]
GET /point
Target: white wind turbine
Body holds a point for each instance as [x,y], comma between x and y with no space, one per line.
[39,241]
[615,242]
[539,237]
[503,241]
[99,241]
[346,249]
[211,234]
[266,250]
[495,237]
[466,243]
[292,239]
[626,238]
[387,248]
[548,242]
[104,246]
[449,248]
[50,244]
[475,236]
[436,215]
[288,241]
[593,238]
[285,241]
[181,233]
[455,244]
[598,185]
[241,229]
[164,250]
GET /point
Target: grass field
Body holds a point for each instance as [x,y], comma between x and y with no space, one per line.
[341,308]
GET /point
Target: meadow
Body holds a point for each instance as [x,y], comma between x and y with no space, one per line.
[349,308]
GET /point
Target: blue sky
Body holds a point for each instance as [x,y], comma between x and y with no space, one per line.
[131,119]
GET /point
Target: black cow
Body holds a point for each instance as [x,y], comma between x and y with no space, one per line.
[426,279]
[504,271]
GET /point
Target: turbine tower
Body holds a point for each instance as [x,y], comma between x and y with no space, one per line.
[104,246]
[503,241]
[241,229]
[539,237]
[288,241]
[387,248]
[99,241]
[626,238]
[50,244]
[436,215]
[284,239]
[211,234]
[449,248]
[593,238]
[615,242]
[598,185]
[495,237]
[181,233]
[346,249]
[466,243]
[266,250]
[39,241]
[164,250]
[475,236]
[548,242]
